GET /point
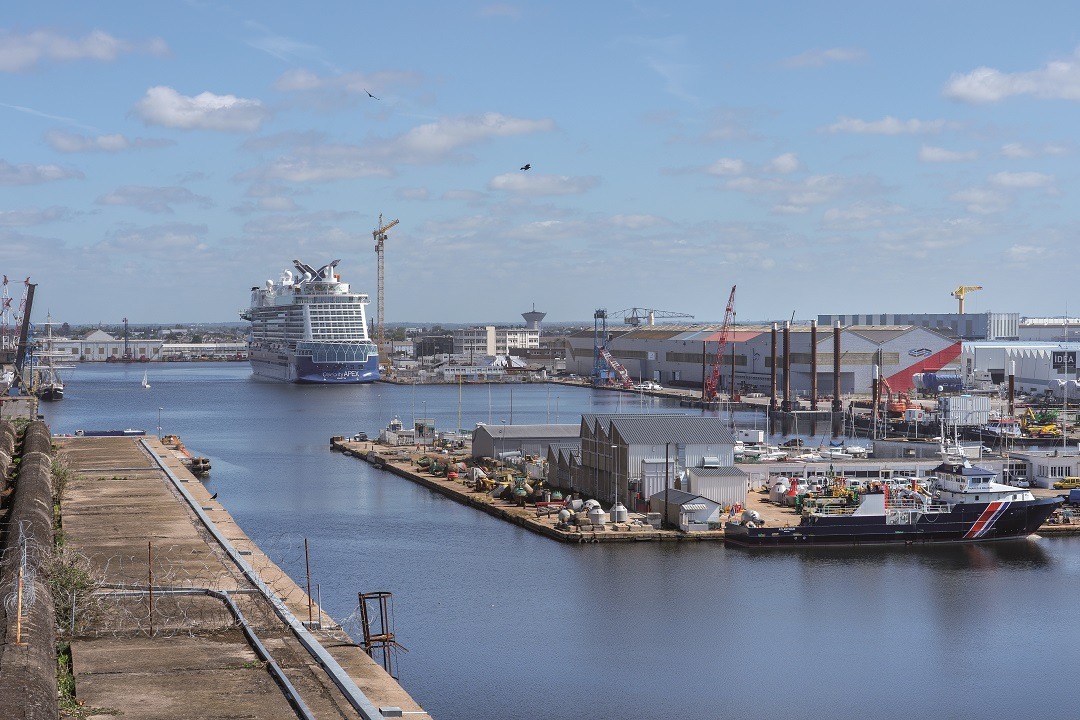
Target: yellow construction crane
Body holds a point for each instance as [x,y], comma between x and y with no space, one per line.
[380,238]
[963,290]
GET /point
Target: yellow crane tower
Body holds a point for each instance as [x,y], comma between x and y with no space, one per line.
[380,238]
[963,290]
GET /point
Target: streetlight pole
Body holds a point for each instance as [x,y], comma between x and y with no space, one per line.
[615,471]
[667,480]
[159,422]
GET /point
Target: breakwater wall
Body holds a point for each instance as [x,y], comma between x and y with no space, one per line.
[28,655]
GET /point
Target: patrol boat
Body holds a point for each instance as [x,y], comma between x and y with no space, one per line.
[961,503]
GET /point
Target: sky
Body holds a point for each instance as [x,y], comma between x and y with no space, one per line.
[158,160]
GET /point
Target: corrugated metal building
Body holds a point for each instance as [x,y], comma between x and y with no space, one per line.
[1040,366]
[686,510]
[679,355]
[614,446]
[968,326]
[724,485]
[494,440]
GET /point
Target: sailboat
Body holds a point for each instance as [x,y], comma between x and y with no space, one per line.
[145,381]
[48,385]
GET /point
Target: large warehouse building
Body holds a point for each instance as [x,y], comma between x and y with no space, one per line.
[683,355]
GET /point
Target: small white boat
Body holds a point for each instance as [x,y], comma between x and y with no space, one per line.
[145,380]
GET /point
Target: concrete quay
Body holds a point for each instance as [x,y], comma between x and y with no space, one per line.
[142,520]
[527,517]
[403,463]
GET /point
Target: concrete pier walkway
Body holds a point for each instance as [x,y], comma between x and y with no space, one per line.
[182,653]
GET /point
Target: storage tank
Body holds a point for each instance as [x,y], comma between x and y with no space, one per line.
[938,382]
[597,516]
[619,513]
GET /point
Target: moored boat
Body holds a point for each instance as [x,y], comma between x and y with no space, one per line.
[962,503]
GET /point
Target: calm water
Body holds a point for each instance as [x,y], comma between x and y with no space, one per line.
[500,623]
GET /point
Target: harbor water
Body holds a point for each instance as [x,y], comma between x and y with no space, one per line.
[501,623]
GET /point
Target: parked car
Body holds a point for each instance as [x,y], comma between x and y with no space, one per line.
[648,385]
[1069,483]
[360,437]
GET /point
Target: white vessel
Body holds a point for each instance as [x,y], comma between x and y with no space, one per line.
[310,328]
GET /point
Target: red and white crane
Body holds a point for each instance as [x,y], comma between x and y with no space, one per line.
[713,380]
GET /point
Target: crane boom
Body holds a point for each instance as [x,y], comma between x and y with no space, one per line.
[713,380]
[963,290]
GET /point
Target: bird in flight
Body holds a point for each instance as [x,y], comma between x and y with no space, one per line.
[526,166]
[370,95]
[214,496]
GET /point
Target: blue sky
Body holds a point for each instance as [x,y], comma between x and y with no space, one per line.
[159,159]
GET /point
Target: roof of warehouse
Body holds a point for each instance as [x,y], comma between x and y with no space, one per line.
[531,431]
[712,334]
[716,472]
[657,429]
[880,334]
[679,497]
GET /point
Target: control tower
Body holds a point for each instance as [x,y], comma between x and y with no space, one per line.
[533,318]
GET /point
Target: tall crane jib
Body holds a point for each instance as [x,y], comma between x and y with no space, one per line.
[960,292]
[380,242]
[712,382]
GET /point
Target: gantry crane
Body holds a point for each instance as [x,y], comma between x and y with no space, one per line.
[636,316]
[713,380]
[380,238]
[963,290]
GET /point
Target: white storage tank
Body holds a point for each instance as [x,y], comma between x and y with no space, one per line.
[619,513]
[597,516]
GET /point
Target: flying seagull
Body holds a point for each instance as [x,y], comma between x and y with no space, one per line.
[370,95]
[526,166]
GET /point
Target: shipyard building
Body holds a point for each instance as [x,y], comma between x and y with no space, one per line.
[683,355]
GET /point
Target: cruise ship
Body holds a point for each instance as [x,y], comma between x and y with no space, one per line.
[310,328]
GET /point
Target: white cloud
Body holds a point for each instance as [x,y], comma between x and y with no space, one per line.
[931,154]
[183,240]
[886,126]
[637,222]
[788,209]
[66,142]
[817,58]
[1020,253]
[320,163]
[981,201]
[783,164]
[1021,180]
[537,185]
[860,216]
[1057,80]
[153,199]
[26,174]
[20,53]
[727,166]
[206,111]
[27,218]
[1018,151]
[413,193]
[438,141]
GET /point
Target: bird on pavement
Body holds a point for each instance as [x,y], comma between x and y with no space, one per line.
[214,496]
[526,166]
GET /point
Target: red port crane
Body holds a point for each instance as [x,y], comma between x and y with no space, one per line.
[713,380]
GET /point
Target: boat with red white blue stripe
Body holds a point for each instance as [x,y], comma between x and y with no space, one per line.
[959,503]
